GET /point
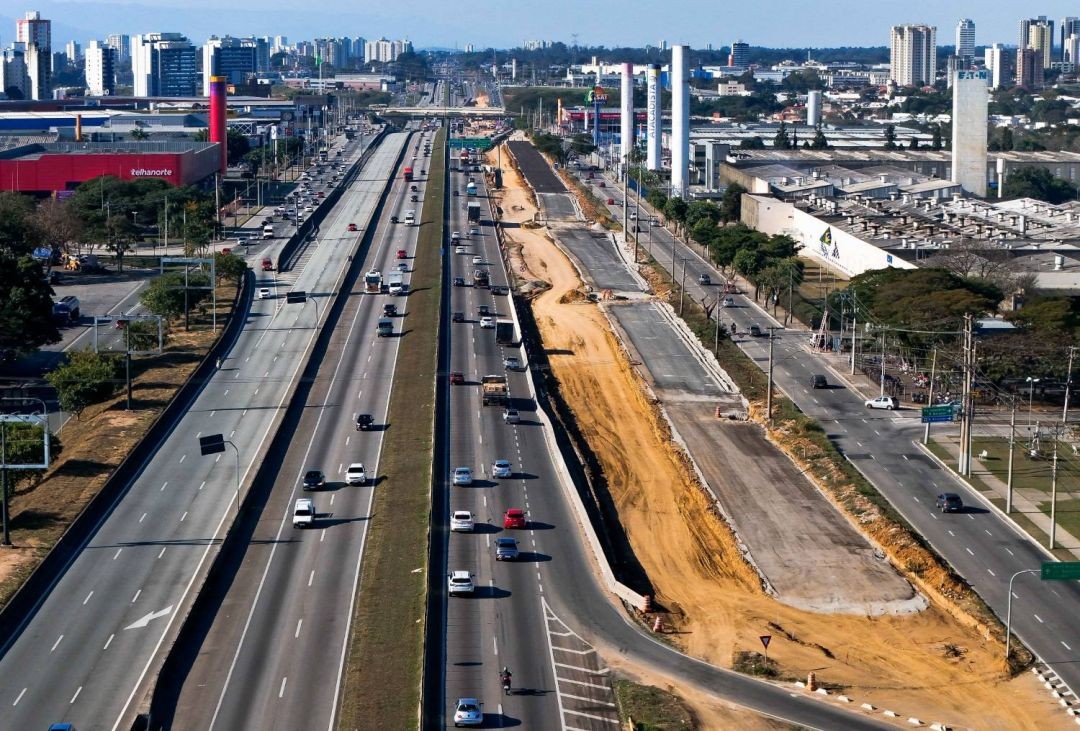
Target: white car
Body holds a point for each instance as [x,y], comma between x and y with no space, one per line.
[303,513]
[729,302]
[487,323]
[474,231]
[459,582]
[467,712]
[477,260]
[463,476]
[461,250]
[455,236]
[502,469]
[882,402]
[462,521]
[511,416]
[511,363]
[355,475]
[264,293]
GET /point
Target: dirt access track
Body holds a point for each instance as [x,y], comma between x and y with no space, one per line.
[926,665]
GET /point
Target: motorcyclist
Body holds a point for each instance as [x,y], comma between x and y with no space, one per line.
[505,676]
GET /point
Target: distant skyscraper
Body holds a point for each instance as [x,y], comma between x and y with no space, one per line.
[14,75]
[120,43]
[1071,50]
[262,54]
[73,52]
[965,41]
[999,63]
[1038,33]
[165,64]
[740,54]
[232,58]
[36,33]
[100,69]
[969,115]
[1069,26]
[913,58]
[1029,70]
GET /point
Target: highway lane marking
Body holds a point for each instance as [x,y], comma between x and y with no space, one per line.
[244,413]
[311,578]
[84,601]
[578,682]
[1036,616]
[322,535]
[134,598]
[590,700]
[266,375]
[108,642]
[592,715]
[1065,646]
[218,458]
[202,485]
[952,534]
[969,550]
[166,484]
[494,640]
[57,642]
[143,517]
[991,573]
[212,414]
[182,517]
[162,552]
[916,498]
[1008,551]
[232,433]
[183,457]
[117,554]
[281,691]
[299,624]
[1054,592]
[987,532]
[76,695]
[19,697]
[933,515]
[905,457]
[226,394]
[256,392]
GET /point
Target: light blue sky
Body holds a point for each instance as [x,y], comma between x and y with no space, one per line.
[507,23]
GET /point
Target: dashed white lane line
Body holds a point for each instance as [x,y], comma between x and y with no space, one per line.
[19,697]
[84,601]
[117,554]
[311,578]
[1009,552]
[136,597]
[494,642]
[108,642]
[143,517]
[166,483]
[183,517]
[202,485]
[162,551]
[299,624]
[76,695]
[969,550]
[1036,616]
[183,457]
[56,643]
[991,573]
[1065,646]
[281,690]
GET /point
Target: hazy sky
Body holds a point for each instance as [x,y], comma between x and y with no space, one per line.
[508,23]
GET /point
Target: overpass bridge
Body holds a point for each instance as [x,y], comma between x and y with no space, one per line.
[433,111]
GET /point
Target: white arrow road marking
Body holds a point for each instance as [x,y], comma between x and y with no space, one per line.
[144,621]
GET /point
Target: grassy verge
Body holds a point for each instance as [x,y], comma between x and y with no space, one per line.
[97,442]
[648,708]
[808,445]
[386,651]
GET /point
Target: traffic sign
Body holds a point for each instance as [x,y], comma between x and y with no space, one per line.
[1060,571]
[211,444]
[934,414]
[471,143]
[765,640]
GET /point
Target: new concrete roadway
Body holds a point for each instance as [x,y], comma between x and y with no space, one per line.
[983,546]
[84,656]
[274,654]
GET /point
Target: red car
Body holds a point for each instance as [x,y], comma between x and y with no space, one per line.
[611,201]
[401,254]
[352,226]
[456,379]
[514,518]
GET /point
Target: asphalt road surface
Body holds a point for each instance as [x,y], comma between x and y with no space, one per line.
[979,543]
[274,655]
[83,657]
[535,168]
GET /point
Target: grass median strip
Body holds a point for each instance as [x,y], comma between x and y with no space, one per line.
[386,650]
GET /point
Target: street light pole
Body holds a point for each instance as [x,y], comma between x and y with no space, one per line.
[1012,448]
[682,285]
[1031,396]
[768,393]
[1008,612]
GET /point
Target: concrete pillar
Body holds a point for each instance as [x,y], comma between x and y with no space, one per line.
[813,108]
[680,120]
[653,123]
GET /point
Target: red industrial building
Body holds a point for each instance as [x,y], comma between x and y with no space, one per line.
[48,168]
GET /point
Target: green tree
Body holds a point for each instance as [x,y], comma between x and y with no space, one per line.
[675,209]
[165,296]
[657,199]
[85,378]
[581,145]
[229,266]
[236,146]
[26,321]
[24,444]
[138,133]
[1038,183]
[19,233]
[58,223]
[730,240]
[820,142]
[890,137]
[702,211]
[935,143]
[122,233]
[731,202]
[781,141]
[752,143]
[703,231]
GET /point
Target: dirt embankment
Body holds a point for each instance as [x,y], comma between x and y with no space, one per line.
[928,665]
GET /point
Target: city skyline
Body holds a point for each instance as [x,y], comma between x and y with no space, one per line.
[431,24]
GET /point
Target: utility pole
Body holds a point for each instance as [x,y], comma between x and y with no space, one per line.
[768,393]
[1053,494]
[930,397]
[966,400]
[3,483]
[682,285]
[854,317]
[882,393]
[716,330]
[1012,448]
[1068,379]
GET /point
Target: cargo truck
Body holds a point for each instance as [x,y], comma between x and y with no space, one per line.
[494,390]
[504,332]
[480,278]
[373,282]
[394,285]
[474,212]
[408,174]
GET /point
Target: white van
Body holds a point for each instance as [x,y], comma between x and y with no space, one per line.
[268,231]
[410,218]
[303,513]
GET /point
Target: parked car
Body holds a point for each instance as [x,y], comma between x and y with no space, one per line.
[463,476]
[882,402]
[460,582]
[949,502]
[506,549]
[818,381]
[314,479]
[462,521]
[355,474]
[502,469]
[514,518]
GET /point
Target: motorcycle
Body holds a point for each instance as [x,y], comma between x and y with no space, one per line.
[505,677]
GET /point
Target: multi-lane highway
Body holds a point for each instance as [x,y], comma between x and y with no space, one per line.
[984,548]
[86,655]
[274,655]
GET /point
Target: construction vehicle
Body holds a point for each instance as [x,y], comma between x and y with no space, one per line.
[494,390]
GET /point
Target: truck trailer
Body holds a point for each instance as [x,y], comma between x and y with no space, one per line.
[373,282]
[474,209]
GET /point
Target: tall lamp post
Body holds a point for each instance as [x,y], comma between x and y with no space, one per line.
[1031,396]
